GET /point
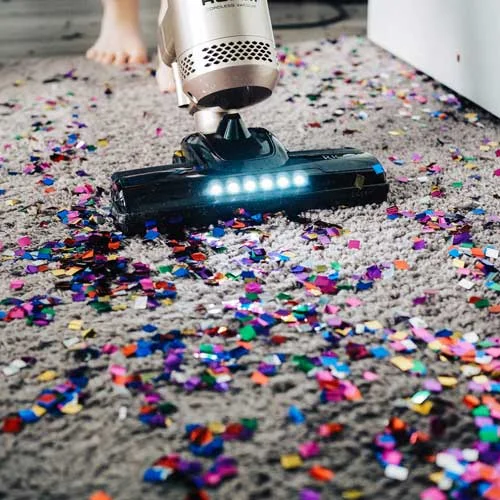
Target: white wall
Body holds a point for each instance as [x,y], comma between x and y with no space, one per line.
[457,42]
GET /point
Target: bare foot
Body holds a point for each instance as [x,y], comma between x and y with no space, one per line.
[120,40]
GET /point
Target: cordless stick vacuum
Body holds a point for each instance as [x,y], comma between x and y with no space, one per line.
[224,58]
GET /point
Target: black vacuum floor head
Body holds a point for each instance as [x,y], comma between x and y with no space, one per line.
[214,175]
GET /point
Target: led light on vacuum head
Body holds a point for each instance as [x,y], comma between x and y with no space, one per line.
[266,182]
[249,184]
[215,188]
[233,186]
[283,181]
[300,179]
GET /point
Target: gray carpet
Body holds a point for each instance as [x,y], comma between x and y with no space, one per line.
[345,93]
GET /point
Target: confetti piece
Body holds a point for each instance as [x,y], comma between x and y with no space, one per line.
[47,376]
[100,495]
[321,473]
[396,472]
[259,378]
[289,462]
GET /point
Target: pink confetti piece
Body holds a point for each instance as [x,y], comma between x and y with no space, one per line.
[24,241]
[370,376]
[354,244]
[309,449]
[353,302]
[159,132]
[432,494]
[16,284]
[331,309]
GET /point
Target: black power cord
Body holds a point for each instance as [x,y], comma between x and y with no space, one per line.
[341,16]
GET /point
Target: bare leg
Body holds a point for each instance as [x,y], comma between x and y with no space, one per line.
[120,40]
[164,75]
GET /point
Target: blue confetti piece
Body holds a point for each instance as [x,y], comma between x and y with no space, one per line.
[295,415]
[379,352]
[378,168]
[156,474]
[212,449]
[151,235]
[28,416]
[182,272]
[218,232]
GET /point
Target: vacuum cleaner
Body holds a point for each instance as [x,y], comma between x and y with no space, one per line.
[224,59]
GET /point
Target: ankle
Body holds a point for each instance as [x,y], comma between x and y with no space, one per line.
[122,11]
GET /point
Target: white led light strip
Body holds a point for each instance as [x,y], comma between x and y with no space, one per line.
[251,184]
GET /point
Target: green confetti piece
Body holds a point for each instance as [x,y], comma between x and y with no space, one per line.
[207,348]
[303,363]
[419,367]
[420,397]
[457,185]
[250,423]
[335,265]
[345,287]
[481,411]
[481,304]
[208,379]
[283,296]
[101,307]
[489,435]
[247,333]
[167,408]
[165,269]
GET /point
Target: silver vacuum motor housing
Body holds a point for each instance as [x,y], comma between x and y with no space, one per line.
[224,50]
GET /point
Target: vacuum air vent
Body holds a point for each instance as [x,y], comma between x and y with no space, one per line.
[237,51]
[186,66]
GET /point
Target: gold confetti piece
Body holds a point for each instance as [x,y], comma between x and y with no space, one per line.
[458,263]
[435,345]
[404,364]
[71,409]
[118,307]
[436,477]
[399,335]
[373,325]
[47,376]
[352,494]
[75,324]
[446,381]
[73,270]
[39,411]
[359,182]
[216,427]
[58,272]
[291,461]
[480,379]
[423,409]
[89,333]
[11,203]
[102,143]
